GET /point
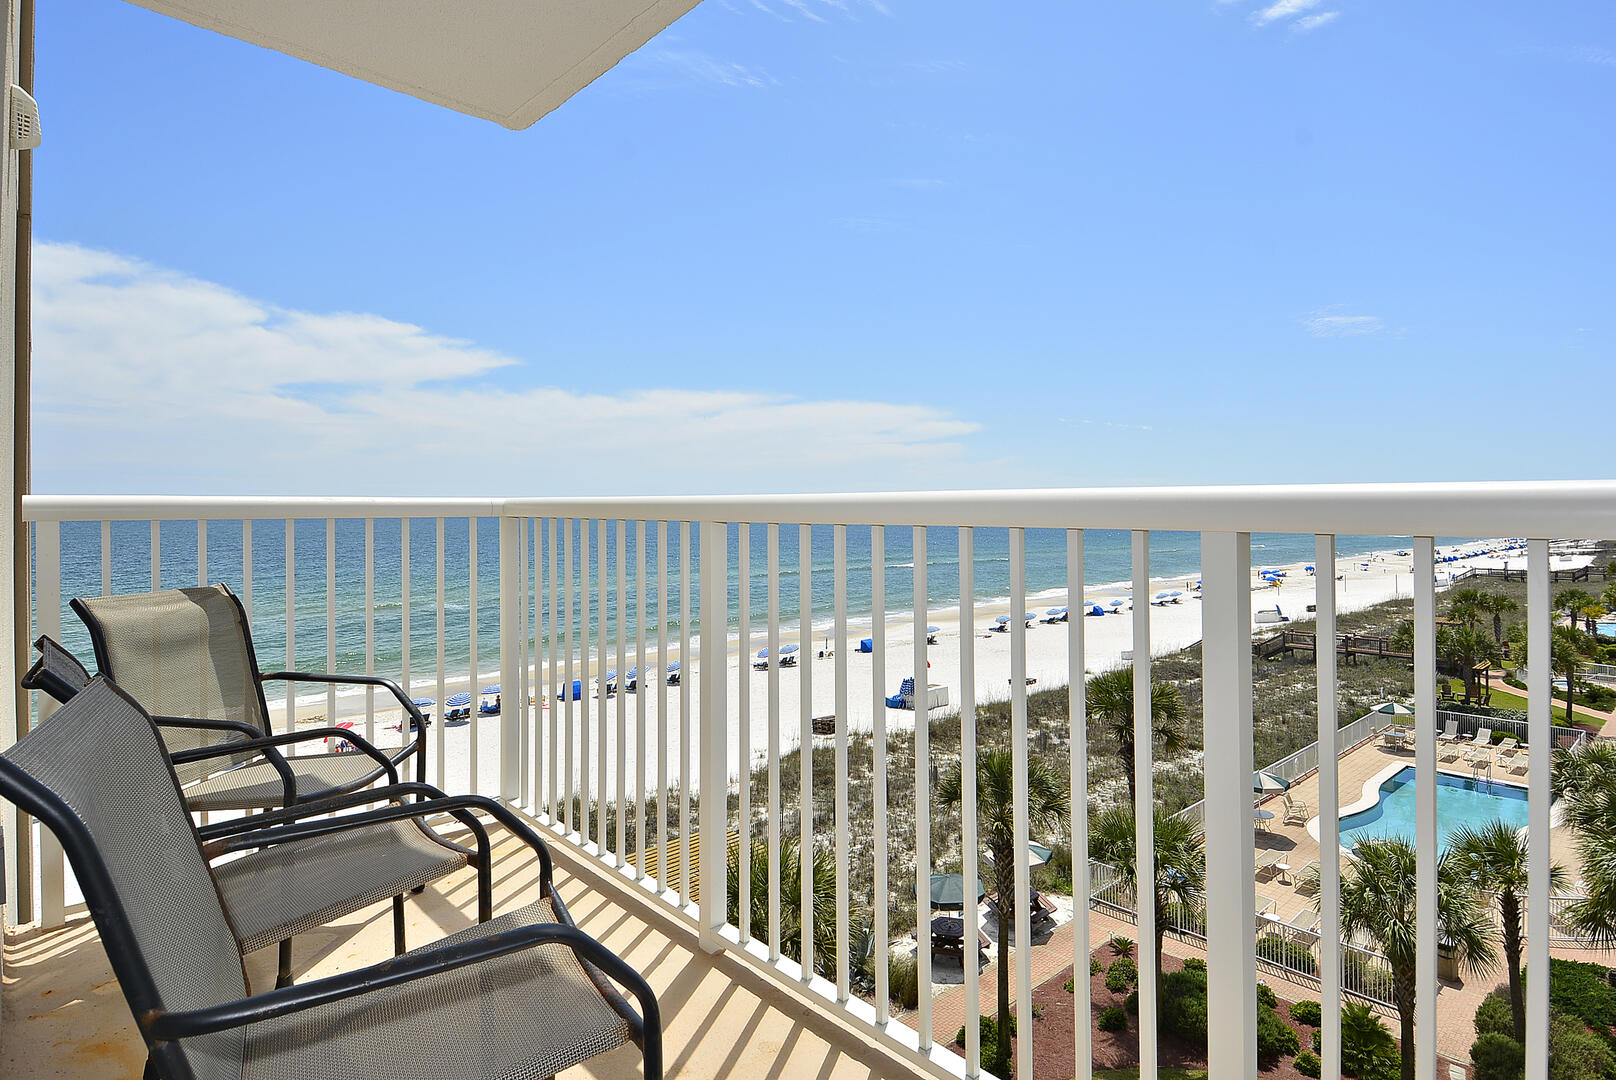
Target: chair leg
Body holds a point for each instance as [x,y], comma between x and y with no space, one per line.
[398,926]
[150,1072]
[283,974]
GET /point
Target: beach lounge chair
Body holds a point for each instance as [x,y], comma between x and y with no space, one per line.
[187,656]
[520,995]
[1296,809]
[905,697]
[673,673]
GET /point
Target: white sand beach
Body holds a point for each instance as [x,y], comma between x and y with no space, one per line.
[1360,582]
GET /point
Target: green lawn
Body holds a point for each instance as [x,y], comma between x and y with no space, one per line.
[1506,698]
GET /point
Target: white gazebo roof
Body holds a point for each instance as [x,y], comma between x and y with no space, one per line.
[509,61]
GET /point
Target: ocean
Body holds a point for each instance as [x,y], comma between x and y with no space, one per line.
[1107,553]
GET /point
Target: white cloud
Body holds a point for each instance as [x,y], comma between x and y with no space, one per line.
[149,380]
[1328,322]
[1282,9]
[1309,23]
[703,67]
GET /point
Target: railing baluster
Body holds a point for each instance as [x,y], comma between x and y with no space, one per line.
[1425,832]
[291,619]
[743,562]
[106,558]
[714,733]
[1077,735]
[1145,802]
[474,727]
[805,741]
[586,635]
[1231,910]
[156,554]
[556,692]
[969,844]
[201,552]
[640,696]
[661,833]
[404,621]
[1324,660]
[567,571]
[839,646]
[508,726]
[602,754]
[684,716]
[330,618]
[622,702]
[1540,744]
[48,620]
[439,737]
[1018,769]
[370,635]
[922,703]
[772,588]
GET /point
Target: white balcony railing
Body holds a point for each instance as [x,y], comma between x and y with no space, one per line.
[598,585]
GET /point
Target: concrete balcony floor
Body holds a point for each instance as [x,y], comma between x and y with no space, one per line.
[64,1016]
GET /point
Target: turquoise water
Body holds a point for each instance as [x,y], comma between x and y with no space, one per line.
[1606,628]
[1107,558]
[1459,802]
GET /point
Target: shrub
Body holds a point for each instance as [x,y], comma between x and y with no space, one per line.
[1122,974]
[1288,954]
[1057,871]
[903,979]
[1308,1063]
[1368,1050]
[1131,1003]
[1183,1005]
[995,1059]
[1493,1016]
[1275,1038]
[1497,1057]
[1070,986]
[1307,1012]
[1095,967]
[1113,1019]
[1575,1053]
[1266,996]
[1318,1041]
[1580,990]
[1122,946]
[1195,963]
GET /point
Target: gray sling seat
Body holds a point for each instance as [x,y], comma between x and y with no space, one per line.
[280,890]
[522,996]
[187,654]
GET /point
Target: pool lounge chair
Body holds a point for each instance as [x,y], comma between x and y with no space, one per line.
[1507,748]
[1305,920]
[1307,879]
[1483,736]
[525,994]
[1449,732]
[1297,811]
[1268,863]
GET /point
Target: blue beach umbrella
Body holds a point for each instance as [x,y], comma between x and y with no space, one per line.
[933,629]
[423,703]
[1001,620]
[494,689]
[787,650]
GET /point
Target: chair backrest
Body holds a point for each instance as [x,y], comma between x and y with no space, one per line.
[1484,736]
[907,687]
[179,652]
[57,671]
[96,775]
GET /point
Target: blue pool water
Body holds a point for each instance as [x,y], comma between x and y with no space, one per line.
[1459,802]
[1606,628]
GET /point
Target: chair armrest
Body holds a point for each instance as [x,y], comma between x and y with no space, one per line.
[161,1025]
[246,745]
[357,680]
[397,812]
[57,672]
[267,742]
[243,839]
[316,807]
[209,724]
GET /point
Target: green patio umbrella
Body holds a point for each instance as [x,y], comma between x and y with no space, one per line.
[948,892]
[1264,782]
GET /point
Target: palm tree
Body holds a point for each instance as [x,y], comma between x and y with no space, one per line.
[1377,903]
[1048,808]
[1495,858]
[1573,602]
[824,901]
[1609,595]
[1180,872]
[1567,646]
[1110,701]
[1498,605]
[1467,605]
[1578,774]
[1466,647]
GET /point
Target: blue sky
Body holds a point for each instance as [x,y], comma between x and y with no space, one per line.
[835,244]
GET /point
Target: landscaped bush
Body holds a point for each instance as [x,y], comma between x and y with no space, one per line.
[1266,996]
[1095,967]
[1307,1012]
[1275,1038]
[995,1058]
[1493,1015]
[1183,1004]
[1131,1003]
[1113,1019]
[1308,1063]
[1580,990]
[1575,1053]
[1288,954]
[903,979]
[1497,1057]
[1123,973]
[1368,1050]
[1194,963]
[1122,946]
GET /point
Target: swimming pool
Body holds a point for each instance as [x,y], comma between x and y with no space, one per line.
[1459,802]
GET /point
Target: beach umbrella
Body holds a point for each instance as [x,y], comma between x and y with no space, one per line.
[1262,782]
[787,650]
[673,667]
[763,654]
[633,673]
[948,892]
[933,629]
[1001,620]
[1056,611]
[1391,708]
[608,677]
[1037,855]
[425,704]
[458,701]
[1309,568]
[494,689]
[1116,605]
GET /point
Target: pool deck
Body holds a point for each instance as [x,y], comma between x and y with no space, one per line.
[1456,1001]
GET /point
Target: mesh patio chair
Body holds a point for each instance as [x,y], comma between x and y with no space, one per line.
[524,995]
[281,890]
[186,655]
